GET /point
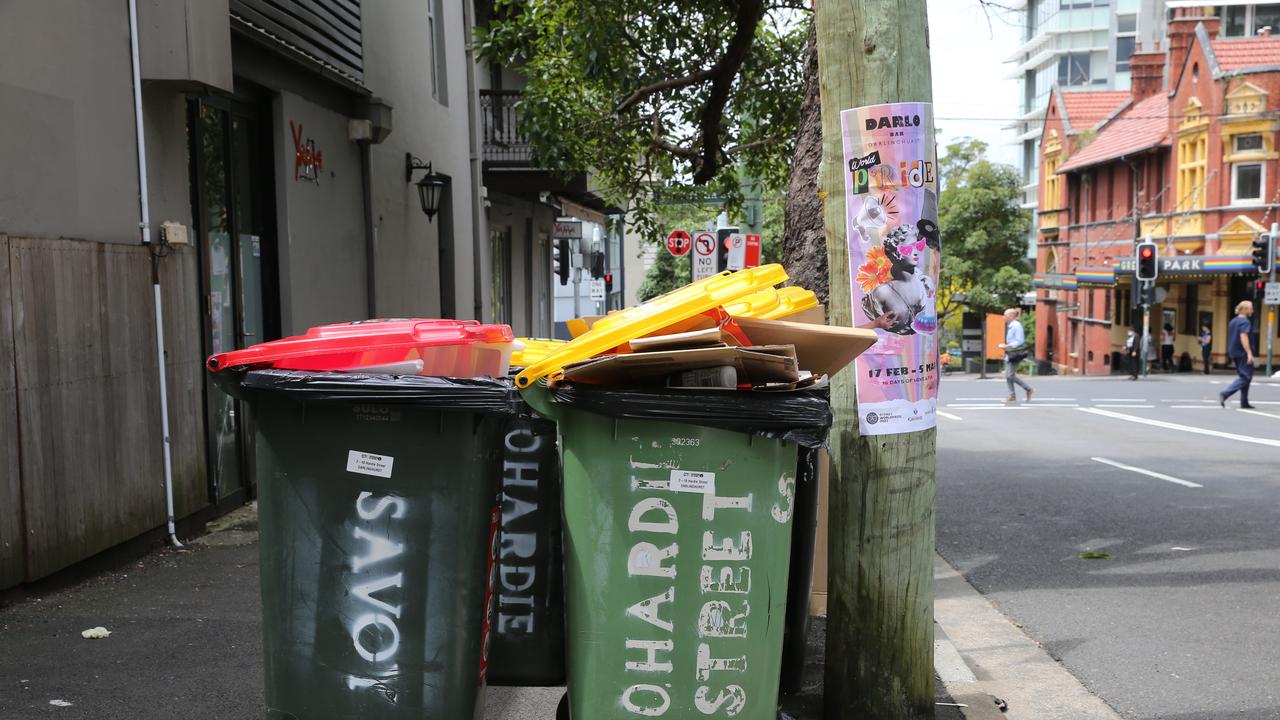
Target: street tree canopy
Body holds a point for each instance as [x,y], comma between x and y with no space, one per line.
[678,99]
[984,231]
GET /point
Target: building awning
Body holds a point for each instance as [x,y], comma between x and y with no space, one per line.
[1122,271]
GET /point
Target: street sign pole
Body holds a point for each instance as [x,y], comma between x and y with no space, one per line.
[1271,311]
[1146,331]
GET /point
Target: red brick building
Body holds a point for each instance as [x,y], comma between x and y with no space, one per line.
[1188,157]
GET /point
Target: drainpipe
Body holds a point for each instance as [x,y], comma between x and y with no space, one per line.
[473,140]
[370,256]
[156,253]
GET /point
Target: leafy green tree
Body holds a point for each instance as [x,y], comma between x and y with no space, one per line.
[984,232]
[670,99]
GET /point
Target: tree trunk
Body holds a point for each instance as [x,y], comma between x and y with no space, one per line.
[804,247]
[879,659]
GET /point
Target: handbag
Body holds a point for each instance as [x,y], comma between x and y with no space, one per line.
[1017,356]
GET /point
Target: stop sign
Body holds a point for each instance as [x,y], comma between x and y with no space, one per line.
[679,242]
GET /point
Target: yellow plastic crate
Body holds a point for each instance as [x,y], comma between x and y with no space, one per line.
[698,297]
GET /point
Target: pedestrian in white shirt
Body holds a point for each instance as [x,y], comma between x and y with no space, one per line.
[1015,351]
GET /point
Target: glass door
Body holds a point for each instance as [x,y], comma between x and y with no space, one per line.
[232,200]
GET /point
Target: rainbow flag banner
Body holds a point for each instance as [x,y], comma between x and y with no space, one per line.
[1095,276]
[895,252]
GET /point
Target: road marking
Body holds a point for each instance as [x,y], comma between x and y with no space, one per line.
[1122,405]
[1128,400]
[1188,401]
[989,407]
[972,406]
[1183,428]
[1001,399]
[1259,412]
[1214,406]
[1149,473]
[949,416]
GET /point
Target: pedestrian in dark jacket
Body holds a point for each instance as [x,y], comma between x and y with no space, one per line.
[1206,347]
[1240,350]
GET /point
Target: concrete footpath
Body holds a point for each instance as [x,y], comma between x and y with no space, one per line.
[186,643]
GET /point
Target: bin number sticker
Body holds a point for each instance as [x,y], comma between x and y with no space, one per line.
[369,464]
[693,482]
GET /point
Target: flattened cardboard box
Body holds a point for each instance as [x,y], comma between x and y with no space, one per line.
[820,349]
[757,365]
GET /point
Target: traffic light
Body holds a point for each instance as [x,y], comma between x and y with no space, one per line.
[597,264]
[608,282]
[1148,264]
[560,259]
[1264,253]
[722,247]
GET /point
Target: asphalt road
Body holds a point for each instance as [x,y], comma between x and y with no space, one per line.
[1181,620]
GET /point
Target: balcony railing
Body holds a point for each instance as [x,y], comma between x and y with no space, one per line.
[504,144]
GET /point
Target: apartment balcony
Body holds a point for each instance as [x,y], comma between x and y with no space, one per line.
[505,146]
[508,158]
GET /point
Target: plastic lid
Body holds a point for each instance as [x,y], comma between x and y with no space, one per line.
[791,300]
[326,347]
[535,349]
[697,297]
[754,305]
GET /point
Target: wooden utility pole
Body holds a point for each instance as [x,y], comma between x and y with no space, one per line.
[879,661]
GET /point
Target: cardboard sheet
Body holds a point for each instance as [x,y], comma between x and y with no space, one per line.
[754,365]
[820,349]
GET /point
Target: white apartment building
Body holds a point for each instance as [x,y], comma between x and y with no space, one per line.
[1084,45]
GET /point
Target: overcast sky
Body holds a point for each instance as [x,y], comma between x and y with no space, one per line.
[970,93]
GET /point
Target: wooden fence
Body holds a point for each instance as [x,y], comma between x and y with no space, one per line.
[81,467]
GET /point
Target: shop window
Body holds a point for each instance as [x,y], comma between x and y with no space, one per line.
[435,35]
[1265,16]
[1247,141]
[1124,48]
[1246,183]
[1073,69]
[1234,21]
[1192,154]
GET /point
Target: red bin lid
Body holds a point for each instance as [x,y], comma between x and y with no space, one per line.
[360,336]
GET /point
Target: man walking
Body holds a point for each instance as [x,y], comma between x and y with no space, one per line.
[1131,350]
[1240,351]
[1015,338]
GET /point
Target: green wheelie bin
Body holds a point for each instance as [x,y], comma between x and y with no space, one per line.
[678,508]
[378,508]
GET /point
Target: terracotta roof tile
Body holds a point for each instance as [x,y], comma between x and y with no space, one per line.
[1087,109]
[1239,53]
[1142,126]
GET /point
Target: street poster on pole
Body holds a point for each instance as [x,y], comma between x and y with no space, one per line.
[895,253]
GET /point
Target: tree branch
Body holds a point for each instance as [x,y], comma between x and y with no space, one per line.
[688,153]
[762,142]
[669,84]
[725,71]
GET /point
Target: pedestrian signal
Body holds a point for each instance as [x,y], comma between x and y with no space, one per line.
[1147,261]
